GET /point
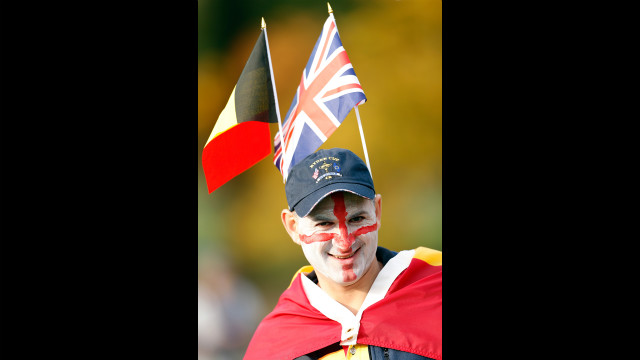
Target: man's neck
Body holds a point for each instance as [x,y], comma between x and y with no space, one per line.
[351,296]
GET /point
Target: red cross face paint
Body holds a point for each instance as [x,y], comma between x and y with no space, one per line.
[339,237]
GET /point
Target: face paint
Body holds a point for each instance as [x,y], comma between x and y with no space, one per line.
[365,230]
[348,275]
[347,256]
[308,239]
[344,239]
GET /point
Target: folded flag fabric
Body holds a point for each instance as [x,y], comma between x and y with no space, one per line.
[328,90]
[408,318]
[241,136]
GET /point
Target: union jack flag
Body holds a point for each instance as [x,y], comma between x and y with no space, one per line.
[328,90]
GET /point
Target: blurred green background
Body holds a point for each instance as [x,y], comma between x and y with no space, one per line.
[396,50]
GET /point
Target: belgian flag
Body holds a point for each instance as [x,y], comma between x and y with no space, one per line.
[241,136]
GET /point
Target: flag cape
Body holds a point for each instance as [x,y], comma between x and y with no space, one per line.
[328,90]
[409,318]
[241,135]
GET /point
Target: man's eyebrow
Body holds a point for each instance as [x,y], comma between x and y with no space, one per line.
[358,213]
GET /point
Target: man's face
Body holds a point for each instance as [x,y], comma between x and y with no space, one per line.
[339,237]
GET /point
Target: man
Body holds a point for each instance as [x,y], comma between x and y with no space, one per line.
[356,300]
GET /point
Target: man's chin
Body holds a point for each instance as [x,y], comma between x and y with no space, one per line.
[346,277]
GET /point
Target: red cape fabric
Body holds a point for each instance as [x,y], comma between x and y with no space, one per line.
[409,318]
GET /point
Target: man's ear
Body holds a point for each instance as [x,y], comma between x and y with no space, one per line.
[377,202]
[290,222]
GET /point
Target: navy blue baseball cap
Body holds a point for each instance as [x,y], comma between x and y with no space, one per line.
[324,172]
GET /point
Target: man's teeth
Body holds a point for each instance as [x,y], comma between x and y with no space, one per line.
[343,257]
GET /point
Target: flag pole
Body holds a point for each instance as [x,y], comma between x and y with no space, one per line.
[263,26]
[364,144]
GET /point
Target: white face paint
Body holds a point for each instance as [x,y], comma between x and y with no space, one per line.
[339,237]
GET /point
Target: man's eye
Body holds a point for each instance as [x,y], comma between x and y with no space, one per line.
[324,223]
[357,219]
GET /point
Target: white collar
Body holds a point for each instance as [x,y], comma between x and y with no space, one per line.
[338,312]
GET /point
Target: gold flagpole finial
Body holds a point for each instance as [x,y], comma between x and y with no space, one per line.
[263,25]
[330,9]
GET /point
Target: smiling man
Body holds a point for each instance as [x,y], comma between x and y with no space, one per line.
[356,300]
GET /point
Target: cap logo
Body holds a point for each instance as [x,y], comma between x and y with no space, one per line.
[327,167]
[316,173]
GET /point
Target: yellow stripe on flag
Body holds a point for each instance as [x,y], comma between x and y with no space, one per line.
[430,256]
[305,269]
[227,118]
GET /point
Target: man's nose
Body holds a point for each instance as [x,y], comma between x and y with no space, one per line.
[343,240]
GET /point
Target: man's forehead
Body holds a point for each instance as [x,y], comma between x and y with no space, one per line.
[327,204]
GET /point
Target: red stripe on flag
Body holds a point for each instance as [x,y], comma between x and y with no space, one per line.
[235,151]
[344,87]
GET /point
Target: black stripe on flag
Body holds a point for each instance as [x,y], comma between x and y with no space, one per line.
[254,90]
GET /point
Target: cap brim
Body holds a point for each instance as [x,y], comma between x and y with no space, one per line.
[304,206]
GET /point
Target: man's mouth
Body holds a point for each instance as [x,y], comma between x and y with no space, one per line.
[345,256]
